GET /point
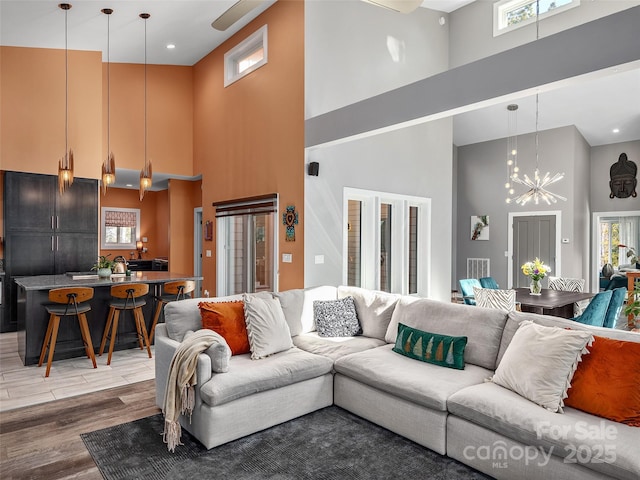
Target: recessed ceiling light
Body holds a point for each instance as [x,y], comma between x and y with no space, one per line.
[128,185]
[616,130]
[171,46]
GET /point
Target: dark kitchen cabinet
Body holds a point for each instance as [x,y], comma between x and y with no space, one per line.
[45,232]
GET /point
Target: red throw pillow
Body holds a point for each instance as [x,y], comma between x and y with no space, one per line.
[227,319]
[607,381]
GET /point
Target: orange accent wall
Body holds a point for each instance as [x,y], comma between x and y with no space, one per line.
[154,223]
[169,116]
[249,137]
[32,111]
[184,197]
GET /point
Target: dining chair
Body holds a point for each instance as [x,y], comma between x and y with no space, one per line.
[615,307]
[570,285]
[488,282]
[596,311]
[466,288]
[495,298]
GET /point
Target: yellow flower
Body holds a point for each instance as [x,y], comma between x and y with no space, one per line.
[536,269]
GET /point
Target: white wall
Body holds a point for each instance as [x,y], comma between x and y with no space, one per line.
[348,59]
[355,50]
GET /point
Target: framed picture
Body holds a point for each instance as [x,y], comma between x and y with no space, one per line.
[479,227]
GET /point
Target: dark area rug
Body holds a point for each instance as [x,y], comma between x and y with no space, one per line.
[329,444]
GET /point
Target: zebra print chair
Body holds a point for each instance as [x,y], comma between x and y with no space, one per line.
[495,298]
[570,285]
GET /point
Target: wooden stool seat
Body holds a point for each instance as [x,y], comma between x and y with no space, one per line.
[68,302]
[172,292]
[126,297]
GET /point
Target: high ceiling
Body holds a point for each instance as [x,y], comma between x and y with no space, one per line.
[596,105]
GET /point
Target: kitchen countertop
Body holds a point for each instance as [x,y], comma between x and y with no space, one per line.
[47,282]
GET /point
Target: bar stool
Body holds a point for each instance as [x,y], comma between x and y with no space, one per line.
[126,297]
[172,291]
[68,302]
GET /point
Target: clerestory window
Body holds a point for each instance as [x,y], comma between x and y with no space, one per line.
[509,15]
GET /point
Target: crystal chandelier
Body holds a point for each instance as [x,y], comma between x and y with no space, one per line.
[538,185]
[512,148]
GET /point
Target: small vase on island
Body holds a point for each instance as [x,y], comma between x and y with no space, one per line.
[104,272]
[535,288]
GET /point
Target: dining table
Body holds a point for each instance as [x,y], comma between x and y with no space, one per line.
[550,302]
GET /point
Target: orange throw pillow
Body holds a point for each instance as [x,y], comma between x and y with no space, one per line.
[227,319]
[607,381]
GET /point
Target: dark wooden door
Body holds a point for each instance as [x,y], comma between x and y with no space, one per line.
[77,208]
[75,252]
[29,202]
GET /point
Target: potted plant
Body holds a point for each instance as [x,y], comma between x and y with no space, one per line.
[103,266]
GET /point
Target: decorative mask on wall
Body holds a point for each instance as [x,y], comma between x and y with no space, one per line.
[623,178]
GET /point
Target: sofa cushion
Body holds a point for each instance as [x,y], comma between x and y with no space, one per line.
[515,318]
[442,350]
[297,306]
[335,347]
[336,318]
[267,329]
[422,383]
[227,319]
[246,377]
[607,381]
[602,445]
[374,309]
[219,352]
[483,327]
[182,316]
[540,362]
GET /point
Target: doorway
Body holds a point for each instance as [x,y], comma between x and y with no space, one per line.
[531,235]
[197,249]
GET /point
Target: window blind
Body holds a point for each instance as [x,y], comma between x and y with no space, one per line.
[115,218]
[247,206]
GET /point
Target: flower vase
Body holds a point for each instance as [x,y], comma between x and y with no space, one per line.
[535,287]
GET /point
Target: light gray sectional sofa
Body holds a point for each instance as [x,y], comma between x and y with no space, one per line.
[455,412]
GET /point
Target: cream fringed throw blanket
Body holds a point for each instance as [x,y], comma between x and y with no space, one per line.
[179,395]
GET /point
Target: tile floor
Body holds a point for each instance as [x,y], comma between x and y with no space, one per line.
[21,386]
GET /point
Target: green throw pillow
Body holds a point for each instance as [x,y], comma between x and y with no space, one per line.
[428,347]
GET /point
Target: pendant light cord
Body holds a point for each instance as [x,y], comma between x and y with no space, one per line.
[108,88]
[66,88]
[145,95]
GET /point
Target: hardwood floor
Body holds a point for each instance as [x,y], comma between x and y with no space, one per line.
[41,419]
[43,441]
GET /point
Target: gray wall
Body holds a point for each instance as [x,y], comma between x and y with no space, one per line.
[481,178]
[602,158]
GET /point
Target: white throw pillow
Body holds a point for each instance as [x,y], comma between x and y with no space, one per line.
[540,361]
[266,326]
[219,352]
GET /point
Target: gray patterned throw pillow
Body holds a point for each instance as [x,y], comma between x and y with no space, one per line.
[336,318]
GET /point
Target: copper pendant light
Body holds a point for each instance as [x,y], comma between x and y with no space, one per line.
[65,164]
[109,165]
[145,173]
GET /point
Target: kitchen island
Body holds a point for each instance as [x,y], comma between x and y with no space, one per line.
[32,318]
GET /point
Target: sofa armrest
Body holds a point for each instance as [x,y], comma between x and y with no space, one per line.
[165,348]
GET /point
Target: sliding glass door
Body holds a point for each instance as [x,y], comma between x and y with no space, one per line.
[246,246]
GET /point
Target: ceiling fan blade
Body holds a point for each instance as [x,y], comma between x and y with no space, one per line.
[235,13]
[402,6]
